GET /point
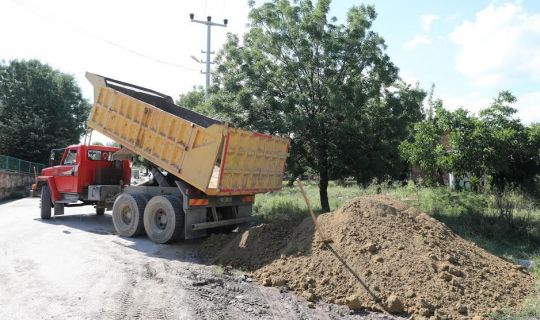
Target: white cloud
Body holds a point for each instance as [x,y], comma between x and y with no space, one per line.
[528,104]
[417,41]
[501,43]
[472,101]
[408,77]
[426,21]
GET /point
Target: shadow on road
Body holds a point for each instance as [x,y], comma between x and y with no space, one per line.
[103,225]
[85,222]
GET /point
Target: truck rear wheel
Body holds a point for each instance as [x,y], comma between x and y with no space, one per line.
[46,202]
[164,219]
[127,214]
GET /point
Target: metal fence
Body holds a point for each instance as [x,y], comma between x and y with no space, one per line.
[8,163]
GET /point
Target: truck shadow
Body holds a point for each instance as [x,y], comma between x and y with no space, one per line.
[243,249]
[85,222]
[103,225]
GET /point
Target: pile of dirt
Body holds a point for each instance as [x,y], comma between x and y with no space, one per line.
[384,256]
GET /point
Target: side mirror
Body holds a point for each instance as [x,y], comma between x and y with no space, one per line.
[52,161]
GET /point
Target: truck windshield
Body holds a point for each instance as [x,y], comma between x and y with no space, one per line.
[71,157]
[99,155]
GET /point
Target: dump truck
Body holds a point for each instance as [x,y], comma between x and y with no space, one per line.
[206,173]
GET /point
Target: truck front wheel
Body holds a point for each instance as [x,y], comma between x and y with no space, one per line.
[127,214]
[164,219]
[46,202]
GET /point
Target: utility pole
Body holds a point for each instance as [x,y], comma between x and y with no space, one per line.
[209,24]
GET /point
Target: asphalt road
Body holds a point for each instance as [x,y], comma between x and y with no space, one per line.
[75,267]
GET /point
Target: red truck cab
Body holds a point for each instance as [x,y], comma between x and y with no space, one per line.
[80,171]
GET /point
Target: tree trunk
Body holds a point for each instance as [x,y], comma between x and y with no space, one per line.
[323,191]
[440,177]
[290,182]
[323,176]
[323,182]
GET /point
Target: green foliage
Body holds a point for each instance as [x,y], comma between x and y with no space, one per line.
[139,161]
[194,100]
[492,144]
[426,150]
[40,109]
[329,86]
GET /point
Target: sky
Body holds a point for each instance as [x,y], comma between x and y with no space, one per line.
[470,50]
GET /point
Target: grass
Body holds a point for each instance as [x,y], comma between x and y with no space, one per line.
[289,203]
[473,216]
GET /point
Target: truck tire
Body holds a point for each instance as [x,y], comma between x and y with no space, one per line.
[100,211]
[127,214]
[164,219]
[46,202]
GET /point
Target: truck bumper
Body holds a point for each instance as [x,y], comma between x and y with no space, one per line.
[196,223]
[222,223]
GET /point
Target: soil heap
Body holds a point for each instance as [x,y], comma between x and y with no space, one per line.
[384,256]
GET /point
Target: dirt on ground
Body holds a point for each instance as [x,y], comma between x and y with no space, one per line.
[384,256]
[75,267]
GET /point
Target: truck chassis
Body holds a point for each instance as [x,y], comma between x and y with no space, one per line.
[165,213]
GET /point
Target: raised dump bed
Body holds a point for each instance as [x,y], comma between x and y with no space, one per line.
[206,153]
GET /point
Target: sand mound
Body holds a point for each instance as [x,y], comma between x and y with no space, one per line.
[384,256]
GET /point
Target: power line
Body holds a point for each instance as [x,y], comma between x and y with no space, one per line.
[54,20]
[146,56]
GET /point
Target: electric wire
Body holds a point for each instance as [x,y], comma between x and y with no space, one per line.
[55,19]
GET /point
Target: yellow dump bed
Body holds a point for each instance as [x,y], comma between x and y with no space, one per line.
[206,153]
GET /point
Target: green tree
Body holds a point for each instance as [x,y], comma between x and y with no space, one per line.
[513,155]
[467,143]
[534,137]
[426,150]
[493,144]
[194,100]
[331,87]
[41,108]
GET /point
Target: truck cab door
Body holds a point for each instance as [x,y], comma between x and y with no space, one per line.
[67,172]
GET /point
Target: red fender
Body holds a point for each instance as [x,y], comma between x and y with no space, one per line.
[55,195]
